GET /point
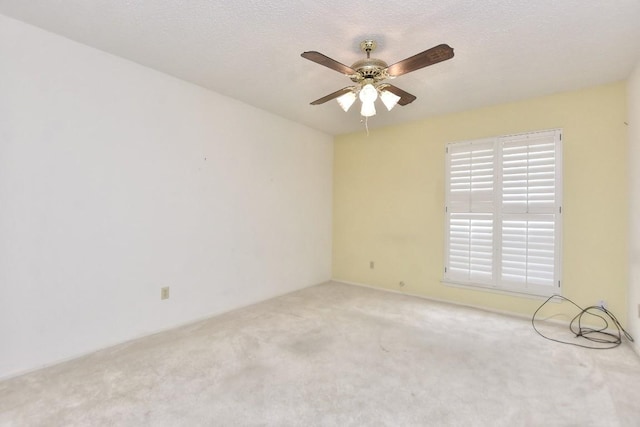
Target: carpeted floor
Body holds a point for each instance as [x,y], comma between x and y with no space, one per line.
[336,355]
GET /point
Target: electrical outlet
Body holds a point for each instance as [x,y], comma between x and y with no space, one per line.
[371,265]
[164,293]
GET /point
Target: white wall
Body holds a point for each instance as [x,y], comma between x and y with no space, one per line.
[116,180]
[633,96]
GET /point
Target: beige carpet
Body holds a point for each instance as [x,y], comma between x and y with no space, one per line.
[336,355]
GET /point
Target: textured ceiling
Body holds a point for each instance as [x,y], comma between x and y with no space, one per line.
[250,49]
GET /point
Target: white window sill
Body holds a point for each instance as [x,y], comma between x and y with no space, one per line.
[512,293]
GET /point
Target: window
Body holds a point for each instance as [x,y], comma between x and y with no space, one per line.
[503,213]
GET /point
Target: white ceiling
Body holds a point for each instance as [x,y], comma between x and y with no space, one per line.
[250,49]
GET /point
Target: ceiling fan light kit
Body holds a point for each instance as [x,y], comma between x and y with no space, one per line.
[346,101]
[368,95]
[369,74]
[389,99]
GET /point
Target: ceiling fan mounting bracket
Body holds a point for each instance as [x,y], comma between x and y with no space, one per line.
[368,46]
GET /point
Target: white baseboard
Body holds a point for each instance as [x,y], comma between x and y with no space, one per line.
[147,334]
[561,322]
[442,300]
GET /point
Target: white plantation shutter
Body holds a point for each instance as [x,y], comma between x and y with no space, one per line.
[528,173]
[528,250]
[471,171]
[470,191]
[503,212]
[530,211]
[471,247]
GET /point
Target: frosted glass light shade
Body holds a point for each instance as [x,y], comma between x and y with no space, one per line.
[346,100]
[389,99]
[368,109]
[368,94]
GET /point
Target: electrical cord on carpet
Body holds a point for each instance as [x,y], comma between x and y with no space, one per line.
[607,340]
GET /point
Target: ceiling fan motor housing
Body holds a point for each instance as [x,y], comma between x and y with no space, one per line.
[370,68]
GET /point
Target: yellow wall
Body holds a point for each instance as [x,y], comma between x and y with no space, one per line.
[389,197]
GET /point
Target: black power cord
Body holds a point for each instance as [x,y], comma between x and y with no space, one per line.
[606,339]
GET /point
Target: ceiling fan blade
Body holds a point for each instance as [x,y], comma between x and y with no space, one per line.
[333,95]
[405,97]
[423,59]
[321,59]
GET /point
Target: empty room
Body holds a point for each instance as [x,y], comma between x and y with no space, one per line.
[326,213]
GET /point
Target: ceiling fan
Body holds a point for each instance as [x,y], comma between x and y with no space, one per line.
[369,75]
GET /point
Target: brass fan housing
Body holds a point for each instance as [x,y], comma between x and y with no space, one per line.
[370,68]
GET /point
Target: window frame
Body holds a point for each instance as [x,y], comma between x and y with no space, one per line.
[492,204]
